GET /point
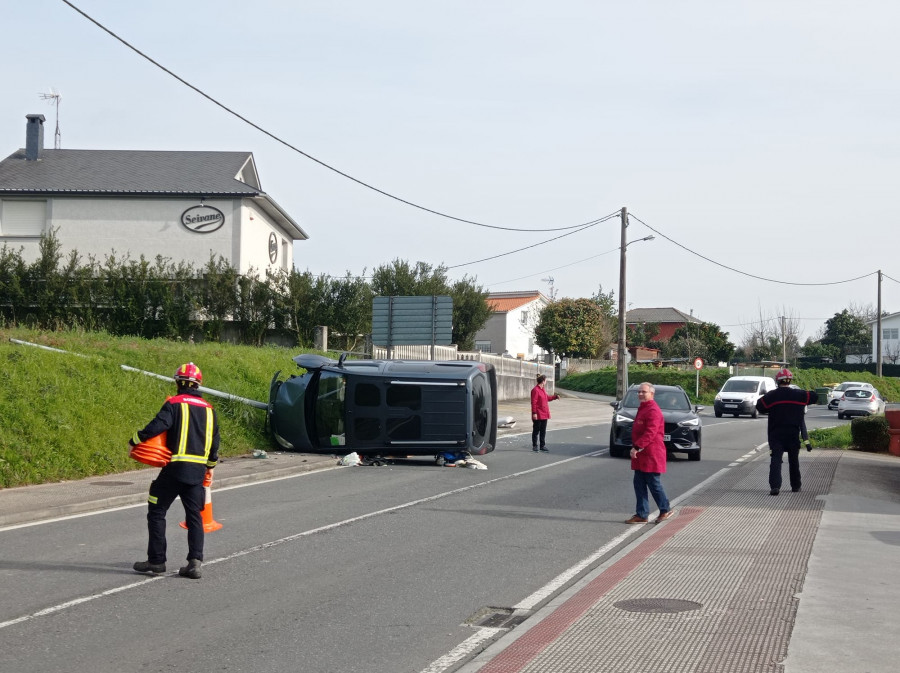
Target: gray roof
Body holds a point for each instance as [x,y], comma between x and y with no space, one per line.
[126,172]
[661,315]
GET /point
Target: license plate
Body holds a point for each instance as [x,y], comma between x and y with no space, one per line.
[731,406]
[667,438]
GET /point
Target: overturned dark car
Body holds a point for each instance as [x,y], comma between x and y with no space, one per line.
[385,407]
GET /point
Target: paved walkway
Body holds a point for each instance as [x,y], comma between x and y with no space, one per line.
[737,581]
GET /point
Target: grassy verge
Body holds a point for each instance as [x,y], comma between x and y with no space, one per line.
[69,415]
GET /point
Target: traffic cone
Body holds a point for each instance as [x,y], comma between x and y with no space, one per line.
[209,524]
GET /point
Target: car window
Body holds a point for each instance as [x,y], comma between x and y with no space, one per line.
[739,386]
[673,400]
[858,393]
[631,399]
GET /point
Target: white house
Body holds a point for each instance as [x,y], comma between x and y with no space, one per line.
[185,206]
[510,329]
[890,338]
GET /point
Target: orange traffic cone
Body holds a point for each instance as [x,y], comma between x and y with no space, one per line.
[209,524]
[153,452]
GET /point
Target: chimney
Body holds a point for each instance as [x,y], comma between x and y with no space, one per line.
[34,137]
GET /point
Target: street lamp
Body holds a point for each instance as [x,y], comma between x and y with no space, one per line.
[622,349]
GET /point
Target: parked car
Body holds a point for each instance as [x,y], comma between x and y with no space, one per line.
[385,407]
[860,402]
[835,395]
[683,426]
[740,393]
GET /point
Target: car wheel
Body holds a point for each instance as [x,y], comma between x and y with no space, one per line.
[840,415]
[754,413]
[735,415]
[718,414]
[694,455]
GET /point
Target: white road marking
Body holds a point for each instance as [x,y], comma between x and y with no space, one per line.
[274,543]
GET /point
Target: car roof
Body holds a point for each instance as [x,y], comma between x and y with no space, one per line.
[658,386]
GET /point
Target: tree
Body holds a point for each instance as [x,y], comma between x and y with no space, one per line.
[848,333]
[714,341]
[643,334]
[575,328]
[606,302]
[470,311]
[770,338]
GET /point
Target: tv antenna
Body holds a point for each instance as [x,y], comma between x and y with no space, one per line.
[54,97]
[549,279]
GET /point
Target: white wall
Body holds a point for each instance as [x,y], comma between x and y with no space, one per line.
[152,226]
[890,348]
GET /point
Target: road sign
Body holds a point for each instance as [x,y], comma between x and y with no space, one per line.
[698,363]
[404,321]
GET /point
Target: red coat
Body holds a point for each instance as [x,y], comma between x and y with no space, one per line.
[540,403]
[647,434]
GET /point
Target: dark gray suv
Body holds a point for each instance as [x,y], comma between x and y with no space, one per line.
[683,426]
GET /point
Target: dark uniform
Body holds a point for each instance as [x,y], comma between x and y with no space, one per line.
[785,407]
[193,438]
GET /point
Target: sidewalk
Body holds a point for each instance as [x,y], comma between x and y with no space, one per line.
[737,581]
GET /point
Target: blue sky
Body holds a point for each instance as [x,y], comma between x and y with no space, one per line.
[761,135]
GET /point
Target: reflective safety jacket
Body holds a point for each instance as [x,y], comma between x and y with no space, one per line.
[192,435]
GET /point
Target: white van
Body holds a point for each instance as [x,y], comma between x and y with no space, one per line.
[739,394]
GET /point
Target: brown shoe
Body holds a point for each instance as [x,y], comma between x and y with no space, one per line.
[637,519]
[665,515]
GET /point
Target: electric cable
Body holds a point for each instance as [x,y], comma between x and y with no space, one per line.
[297,149]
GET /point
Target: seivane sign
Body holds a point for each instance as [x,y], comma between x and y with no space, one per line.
[203,219]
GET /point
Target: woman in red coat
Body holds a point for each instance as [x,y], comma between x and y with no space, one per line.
[540,413]
[648,456]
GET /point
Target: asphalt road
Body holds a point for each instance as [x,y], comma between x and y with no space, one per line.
[374,570]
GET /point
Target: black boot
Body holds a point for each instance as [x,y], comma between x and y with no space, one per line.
[191,570]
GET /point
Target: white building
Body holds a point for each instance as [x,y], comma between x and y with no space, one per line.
[510,329]
[890,338]
[185,206]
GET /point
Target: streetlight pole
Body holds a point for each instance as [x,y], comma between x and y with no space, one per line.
[621,347]
[621,372]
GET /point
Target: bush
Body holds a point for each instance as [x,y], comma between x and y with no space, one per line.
[870,433]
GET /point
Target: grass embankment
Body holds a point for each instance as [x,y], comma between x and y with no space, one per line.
[603,382]
[65,417]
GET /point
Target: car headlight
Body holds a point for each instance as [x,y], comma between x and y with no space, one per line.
[691,422]
[623,419]
[718,397]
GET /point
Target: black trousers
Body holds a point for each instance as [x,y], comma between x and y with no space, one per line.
[778,449]
[539,428]
[164,489]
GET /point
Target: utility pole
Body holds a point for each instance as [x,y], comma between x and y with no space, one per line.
[783,344]
[878,331]
[621,364]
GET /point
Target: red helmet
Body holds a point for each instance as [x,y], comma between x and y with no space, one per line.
[189,373]
[784,374]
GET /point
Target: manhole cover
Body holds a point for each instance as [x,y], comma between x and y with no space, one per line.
[112,483]
[657,605]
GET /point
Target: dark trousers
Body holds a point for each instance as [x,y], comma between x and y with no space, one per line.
[539,428]
[793,454]
[649,481]
[164,489]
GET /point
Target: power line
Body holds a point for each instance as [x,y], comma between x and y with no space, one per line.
[744,273]
[555,268]
[534,245]
[301,152]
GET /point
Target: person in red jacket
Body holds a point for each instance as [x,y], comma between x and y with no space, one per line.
[192,435]
[540,414]
[648,456]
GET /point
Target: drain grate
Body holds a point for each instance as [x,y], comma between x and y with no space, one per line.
[497,618]
[657,605]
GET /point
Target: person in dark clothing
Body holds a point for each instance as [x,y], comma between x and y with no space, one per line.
[540,414]
[193,438]
[785,407]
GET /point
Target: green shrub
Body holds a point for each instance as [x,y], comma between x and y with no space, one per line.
[870,433]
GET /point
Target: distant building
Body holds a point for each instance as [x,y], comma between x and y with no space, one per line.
[890,339]
[510,328]
[185,206]
[669,319]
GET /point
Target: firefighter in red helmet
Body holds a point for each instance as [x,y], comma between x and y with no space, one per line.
[785,407]
[193,438]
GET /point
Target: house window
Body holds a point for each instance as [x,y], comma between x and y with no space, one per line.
[285,262]
[22,218]
[483,346]
[890,333]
